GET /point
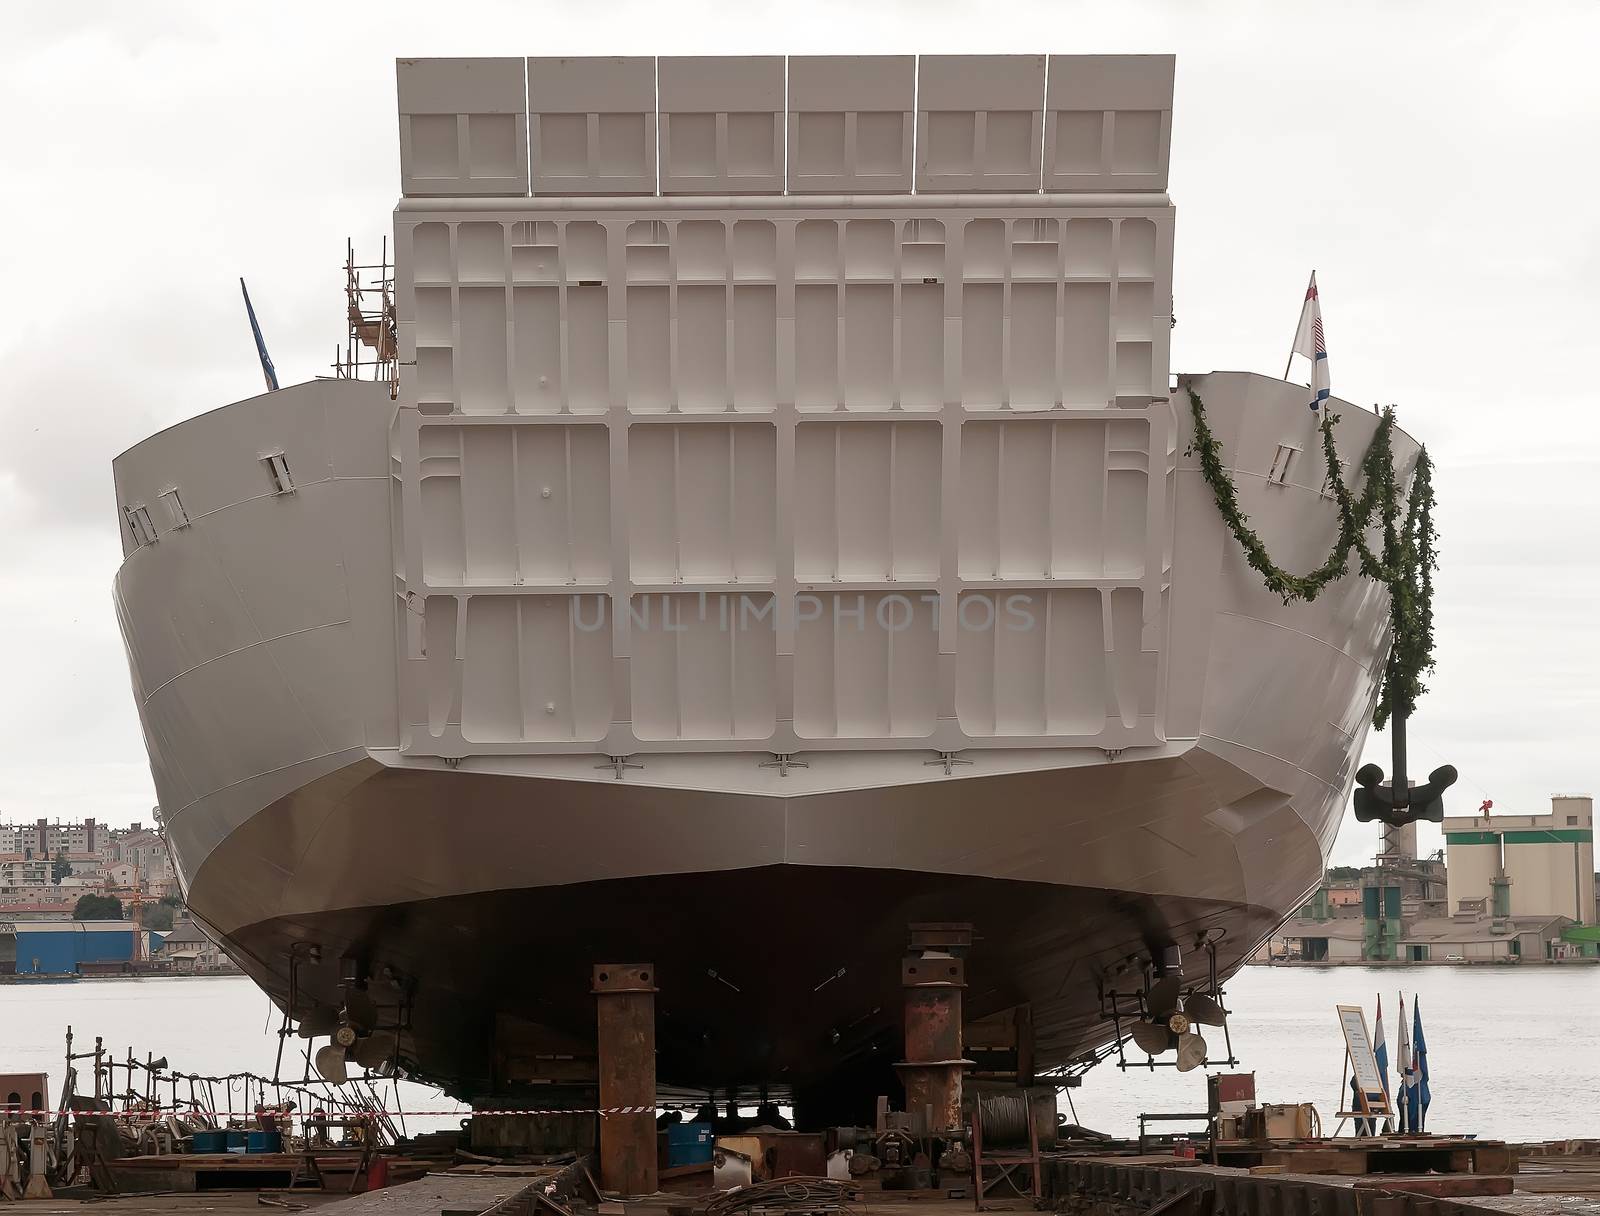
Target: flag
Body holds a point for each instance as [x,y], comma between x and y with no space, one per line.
[1308,341]
[1406,1120]
[1419,1048]
[1380,1052]
[267,370]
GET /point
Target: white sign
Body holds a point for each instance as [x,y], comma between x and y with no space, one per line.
[1362,1062]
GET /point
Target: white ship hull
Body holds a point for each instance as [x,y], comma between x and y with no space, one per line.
[294,814]
[746,571]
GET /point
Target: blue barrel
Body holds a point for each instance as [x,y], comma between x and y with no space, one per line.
[210,1142]
[264,1142]
[689,1143]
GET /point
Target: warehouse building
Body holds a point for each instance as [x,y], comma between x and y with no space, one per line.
[1328,940]
[1473,935]
[63,947]
[1525,865]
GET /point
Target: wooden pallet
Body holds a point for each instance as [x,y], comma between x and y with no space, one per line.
[1372,1155]
[214,1172]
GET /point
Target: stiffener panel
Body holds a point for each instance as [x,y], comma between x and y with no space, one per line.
[706,465]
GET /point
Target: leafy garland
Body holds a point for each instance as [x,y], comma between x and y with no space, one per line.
[1405,566]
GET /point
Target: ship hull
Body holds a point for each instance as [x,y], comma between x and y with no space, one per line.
[775,924]
[784,976]
[741,567]
[304,807]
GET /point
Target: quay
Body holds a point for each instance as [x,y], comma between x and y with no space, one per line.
[1534,1180]
[978,1132]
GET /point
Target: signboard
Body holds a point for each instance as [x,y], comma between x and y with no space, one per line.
[1358,1043]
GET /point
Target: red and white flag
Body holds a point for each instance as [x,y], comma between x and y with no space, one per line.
[1308,341]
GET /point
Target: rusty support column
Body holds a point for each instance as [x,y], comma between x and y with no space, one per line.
[933,978]
[626,1008]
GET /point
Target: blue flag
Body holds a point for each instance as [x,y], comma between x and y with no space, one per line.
[1419,1054]
[267,370]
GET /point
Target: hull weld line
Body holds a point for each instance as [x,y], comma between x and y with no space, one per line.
[343,751]
[293,633]
[1323,781]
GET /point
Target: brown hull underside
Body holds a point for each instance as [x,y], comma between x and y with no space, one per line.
[785,975]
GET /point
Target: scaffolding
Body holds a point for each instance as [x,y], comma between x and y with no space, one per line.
[370,351]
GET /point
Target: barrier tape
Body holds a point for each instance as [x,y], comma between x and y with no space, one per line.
[330,1114]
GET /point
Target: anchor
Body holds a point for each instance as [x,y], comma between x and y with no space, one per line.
[1400,802]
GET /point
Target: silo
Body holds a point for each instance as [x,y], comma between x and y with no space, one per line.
[1552,867]
[1400,841]
[1472,856]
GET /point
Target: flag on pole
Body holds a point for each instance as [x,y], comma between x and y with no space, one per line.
[1308,341]
[1405,1069]
[1380,1052]
[1419,1048]
[267,370]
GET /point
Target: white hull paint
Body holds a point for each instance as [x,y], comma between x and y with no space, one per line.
[271,718]
[694,550]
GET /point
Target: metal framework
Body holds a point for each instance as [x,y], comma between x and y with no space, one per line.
[369,305]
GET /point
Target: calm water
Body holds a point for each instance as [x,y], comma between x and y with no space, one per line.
[1513,1052]
[210,1025]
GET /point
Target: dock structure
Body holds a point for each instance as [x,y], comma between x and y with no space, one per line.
[1530,1180]
[1538,1180]
[969,1138]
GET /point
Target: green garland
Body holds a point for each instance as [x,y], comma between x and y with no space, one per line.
[1405,567]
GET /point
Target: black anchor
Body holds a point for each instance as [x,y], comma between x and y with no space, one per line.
[1400,802]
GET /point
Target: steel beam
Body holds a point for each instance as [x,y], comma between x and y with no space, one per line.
[933,979]
[626,1015]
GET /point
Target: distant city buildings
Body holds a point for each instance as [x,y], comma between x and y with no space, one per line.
[45,867]
[1505,888]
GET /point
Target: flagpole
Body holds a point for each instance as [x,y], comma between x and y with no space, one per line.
[1289,362]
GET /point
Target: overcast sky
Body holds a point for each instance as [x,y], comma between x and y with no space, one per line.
[1436,164]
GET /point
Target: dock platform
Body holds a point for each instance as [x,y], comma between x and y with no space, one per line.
[1323,1183]
[1536,1181]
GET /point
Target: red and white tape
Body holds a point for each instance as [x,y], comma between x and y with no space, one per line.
[9,1112]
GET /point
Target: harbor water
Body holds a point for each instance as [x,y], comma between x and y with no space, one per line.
[210,1025]
[1511,1050]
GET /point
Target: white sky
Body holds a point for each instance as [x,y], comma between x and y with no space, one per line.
[1435,162]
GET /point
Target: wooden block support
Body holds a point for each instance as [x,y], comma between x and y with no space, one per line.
[625,1008]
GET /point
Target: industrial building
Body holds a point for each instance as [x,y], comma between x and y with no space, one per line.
[1525,865]
[1322,934]
[1508,888]
[187,948]
[64,947]
[1473,935]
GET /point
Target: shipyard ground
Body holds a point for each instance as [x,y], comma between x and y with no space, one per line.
[1546,1179]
